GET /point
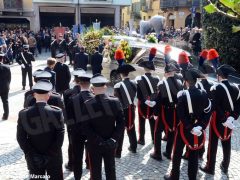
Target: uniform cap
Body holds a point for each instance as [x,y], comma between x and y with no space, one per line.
[126,68]
[204,54]
[42,87]
[119,54]
[212,54]
[171,67]
[43,75]
[153,51]
[26,46]
[98,80]
[192,74]
[167,49]
[206,69]
[183,58]
[147,64]
[225,70]
[60,55]
[78,71]
[37,72]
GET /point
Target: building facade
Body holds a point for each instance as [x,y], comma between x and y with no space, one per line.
[16,13]
[179,13]
[85,12]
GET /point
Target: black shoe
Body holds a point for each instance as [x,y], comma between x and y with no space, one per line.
[118,156]
[68,167]
[23,88]
[168,156]
[4,118]
[141,142]
[224,170]
[206,170]
[156,157]
[132,150]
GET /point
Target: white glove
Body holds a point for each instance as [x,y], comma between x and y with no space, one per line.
[155,117]
[150,103]
[23,66]
[199,128]
[195,131]
[229,123]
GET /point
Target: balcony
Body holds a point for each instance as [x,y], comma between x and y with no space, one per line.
[12,5]
[179,3]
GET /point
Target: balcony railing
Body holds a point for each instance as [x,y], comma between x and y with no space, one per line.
[179,3]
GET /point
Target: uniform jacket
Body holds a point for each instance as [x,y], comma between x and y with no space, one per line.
[40,129]
[28,59]
[63,76]
[62,46]
[5,78]
[81,61]
[54,100]
[120,92]
[53,78]
[96,62]
[106,119]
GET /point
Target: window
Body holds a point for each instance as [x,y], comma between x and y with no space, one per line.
[13,4]
[149,17]
[144,18]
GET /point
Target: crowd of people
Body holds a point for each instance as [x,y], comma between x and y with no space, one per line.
[96,123]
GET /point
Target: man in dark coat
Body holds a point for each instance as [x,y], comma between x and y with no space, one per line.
[226,109]
[126,91]
[103,125]
[74,114]
[42,143]
[53,47]
[96,62]
[193,120]
[5,80]
[81,59]
[50,65]
[146,94]
[63,75]
[25,59]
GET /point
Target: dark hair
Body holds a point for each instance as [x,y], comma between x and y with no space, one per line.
[125,74]
[82,49]
[96,49]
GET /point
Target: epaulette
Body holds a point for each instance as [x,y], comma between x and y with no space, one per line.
[160,83]
[213,88]
[55,93]
[117,85]
[180,93]
[138,78]
[55,107]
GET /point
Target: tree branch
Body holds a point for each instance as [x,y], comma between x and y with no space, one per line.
[222,12]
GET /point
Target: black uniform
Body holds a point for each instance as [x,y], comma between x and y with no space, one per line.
[5,79]
[53,47]
[106,122]
[75,107]
[54,100]
[62,46]
[70,47]
[222,110]
[165,109]
[66,98]
[26,59]
[144,92]
[200,115]
[81,61]
[41,143]
[63,77]
[129,112]
[96,63]
[53,78]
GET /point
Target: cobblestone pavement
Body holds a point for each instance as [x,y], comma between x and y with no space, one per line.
[130,166]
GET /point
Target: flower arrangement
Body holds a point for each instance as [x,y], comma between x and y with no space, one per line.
[127,50]
[151,38]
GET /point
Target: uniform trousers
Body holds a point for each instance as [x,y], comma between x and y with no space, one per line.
[4,97]
[27,71]
[96,155]
[177,157]
[212,150]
